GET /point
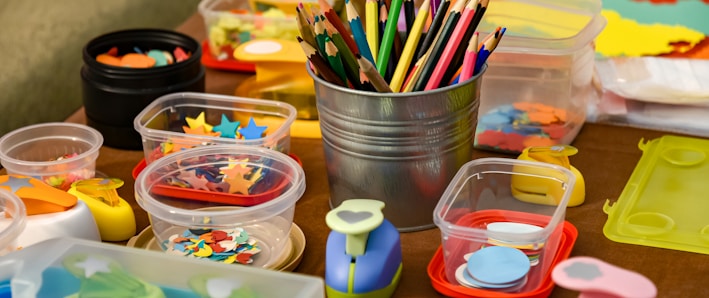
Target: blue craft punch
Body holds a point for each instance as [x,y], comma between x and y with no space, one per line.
[363,257]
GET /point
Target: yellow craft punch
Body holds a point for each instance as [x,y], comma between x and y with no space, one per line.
[114,216]
[281,75]
[530,188]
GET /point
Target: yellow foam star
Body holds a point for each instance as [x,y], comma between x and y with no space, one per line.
[194,123]
[201,131]
[238,185]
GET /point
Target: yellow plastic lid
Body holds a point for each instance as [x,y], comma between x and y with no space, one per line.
[664,202]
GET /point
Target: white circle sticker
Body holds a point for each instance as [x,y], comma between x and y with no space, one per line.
[263,47]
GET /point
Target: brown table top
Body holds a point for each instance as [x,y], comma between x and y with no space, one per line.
[607,156]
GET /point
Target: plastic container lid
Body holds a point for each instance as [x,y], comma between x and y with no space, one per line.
[664,203]
[552,27]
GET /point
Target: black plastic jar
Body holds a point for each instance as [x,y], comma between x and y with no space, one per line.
[113,96]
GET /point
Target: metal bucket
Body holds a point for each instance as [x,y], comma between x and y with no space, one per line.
[400,148]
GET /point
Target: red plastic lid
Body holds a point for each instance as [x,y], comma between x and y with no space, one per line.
[437,273]
[212,196]
[210,61]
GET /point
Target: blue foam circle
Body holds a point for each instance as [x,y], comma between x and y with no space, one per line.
[498,265]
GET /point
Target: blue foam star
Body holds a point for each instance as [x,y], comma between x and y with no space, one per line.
[227,128]
[15,183]
[252,131]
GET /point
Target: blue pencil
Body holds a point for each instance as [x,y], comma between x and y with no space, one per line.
[358,31]
[482,56]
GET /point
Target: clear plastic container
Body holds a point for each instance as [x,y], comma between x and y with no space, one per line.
[230,23]
[244,192]
[12,221]
[62,267]
[539,78]
[57,153]
[488,204]
[163,124]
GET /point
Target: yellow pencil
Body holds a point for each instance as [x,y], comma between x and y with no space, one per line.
[410,47]
[372,26]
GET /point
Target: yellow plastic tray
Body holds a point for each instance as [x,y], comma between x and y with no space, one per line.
[665,201]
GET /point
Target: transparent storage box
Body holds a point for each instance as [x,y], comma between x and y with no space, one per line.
[540,77]
[172,123]
[230,23]
[497,202]
[62,267]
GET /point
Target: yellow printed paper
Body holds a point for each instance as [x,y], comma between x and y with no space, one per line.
[626,37]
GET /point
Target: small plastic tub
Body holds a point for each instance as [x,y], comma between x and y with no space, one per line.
[13,221]
[230,23]
[215,192]
[166,124]
[490,203]
[539,79]
[57,153]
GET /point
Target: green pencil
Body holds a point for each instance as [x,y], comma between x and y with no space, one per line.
[333,58]
[348,58]
[390,32]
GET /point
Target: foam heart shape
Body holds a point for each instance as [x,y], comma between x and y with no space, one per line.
[351,217]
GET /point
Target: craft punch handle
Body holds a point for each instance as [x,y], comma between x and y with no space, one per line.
[558,154]
[529,188]
[356,218]
[114,216]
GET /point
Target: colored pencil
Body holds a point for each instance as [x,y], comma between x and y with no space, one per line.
[306,30]
[357,30]
[433,28]
[383,15]
[318,63]
[388,36]
[333,58]
[444,62]
[409,15]
[374,76]
[439,45]
[412,40]
[372,27]
[471,53]
[348,58]
[332,16]
[488,46]
[414,74]
[434,7]
[320,34]
[307,12]
[479,13]
[460,52]
[366,83]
